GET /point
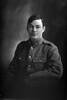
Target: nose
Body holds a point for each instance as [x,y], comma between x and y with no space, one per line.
[34,29]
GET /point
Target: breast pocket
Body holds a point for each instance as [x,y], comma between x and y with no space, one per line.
[39,63]
[21,61]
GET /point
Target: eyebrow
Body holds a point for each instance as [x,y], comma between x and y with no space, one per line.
[36,24]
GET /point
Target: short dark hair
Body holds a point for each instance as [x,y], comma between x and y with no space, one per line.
[35,17]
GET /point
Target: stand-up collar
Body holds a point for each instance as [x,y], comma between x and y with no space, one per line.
[35,42]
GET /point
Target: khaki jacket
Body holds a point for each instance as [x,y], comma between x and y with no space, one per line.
[32,69]
[42,60]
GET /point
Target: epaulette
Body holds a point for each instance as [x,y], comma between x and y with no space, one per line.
[46,42]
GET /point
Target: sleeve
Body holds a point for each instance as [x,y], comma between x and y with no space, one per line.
[13,66]
[10,73]
[17,61]
[54,63]
[14,63]
[53,67]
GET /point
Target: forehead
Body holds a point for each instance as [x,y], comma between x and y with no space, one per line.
[37,22]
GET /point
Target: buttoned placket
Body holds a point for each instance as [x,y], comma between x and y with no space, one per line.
[30,58]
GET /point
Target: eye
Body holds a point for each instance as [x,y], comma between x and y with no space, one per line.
[37,26]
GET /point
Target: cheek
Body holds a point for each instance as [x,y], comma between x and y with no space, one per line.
[29,31]
[40,31]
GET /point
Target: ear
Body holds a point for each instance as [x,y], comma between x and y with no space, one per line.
[43,28]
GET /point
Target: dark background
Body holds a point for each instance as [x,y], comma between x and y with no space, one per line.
[14,15]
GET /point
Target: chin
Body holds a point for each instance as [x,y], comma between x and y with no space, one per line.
[33,37]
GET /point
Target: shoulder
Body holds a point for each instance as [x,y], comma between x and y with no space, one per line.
[20,47]
[50,47]
[52,51]
[49,44]
[22,44]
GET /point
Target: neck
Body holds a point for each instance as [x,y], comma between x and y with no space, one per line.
[37,41]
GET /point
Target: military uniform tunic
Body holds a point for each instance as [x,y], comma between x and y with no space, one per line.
[32,62]
[43,57]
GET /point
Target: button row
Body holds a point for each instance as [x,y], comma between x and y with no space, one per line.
[29,67]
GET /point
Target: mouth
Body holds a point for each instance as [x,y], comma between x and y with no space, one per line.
[34,33]
[34,36]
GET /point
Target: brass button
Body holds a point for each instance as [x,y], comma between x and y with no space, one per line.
[29,57]
[29,66]
[19,58]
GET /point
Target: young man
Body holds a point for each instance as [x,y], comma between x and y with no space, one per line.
[35,58]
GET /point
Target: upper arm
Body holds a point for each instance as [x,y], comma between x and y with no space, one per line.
[54,60]
[14,62]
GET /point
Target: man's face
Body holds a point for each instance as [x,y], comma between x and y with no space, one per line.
[36,28]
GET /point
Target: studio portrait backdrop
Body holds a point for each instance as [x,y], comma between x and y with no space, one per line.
[14,16]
